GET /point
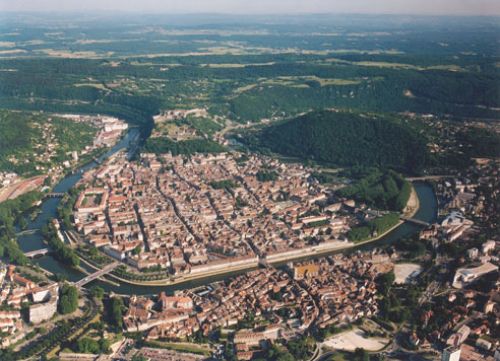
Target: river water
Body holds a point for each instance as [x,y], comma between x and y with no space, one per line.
[427,212]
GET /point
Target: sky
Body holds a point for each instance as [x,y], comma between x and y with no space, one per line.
[424,7]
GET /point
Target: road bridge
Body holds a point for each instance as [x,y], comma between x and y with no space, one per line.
[107,269]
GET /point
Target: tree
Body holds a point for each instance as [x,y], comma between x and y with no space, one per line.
[384,282]
[301,347]
[23,224]
[279,353]
[62,252]
[137,250]
[68,300]
[360,354]
[383,189]
[60,277]
[104,345]
[97,292]
[7,355]
[266,176]
[88,345]
[93,251]
[115,311]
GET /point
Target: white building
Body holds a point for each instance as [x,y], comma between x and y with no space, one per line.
[40,312]
[464,276]
[472,253]
[488,246]
[451,354]
[456,339]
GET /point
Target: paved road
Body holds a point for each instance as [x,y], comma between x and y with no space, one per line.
[97,274]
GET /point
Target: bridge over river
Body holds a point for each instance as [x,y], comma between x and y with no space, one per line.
[418,222]
[109,268]
[37,252]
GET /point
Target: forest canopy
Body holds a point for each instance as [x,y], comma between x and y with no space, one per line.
[189,146]
[346,139]
[386,190]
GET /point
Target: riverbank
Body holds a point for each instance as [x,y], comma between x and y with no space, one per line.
[185,278]
[22,186]
[412,207]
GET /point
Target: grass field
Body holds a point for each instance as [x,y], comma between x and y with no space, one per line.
[182,347]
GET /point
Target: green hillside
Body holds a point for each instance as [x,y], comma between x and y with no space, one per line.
[29,139]
[346,139]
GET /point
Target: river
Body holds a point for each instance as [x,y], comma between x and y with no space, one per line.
[427,212]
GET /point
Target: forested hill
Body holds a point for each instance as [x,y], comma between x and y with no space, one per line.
[346,139]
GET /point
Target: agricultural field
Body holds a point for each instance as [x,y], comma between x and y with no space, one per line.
[250,71]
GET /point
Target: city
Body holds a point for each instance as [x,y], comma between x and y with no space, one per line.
[296,184]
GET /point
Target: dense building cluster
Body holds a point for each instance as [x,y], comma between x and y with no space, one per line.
[207,212]
[469,195]
[16,291]
[466,318]
[267,304]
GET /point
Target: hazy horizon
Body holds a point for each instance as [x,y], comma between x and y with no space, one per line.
[262,7]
